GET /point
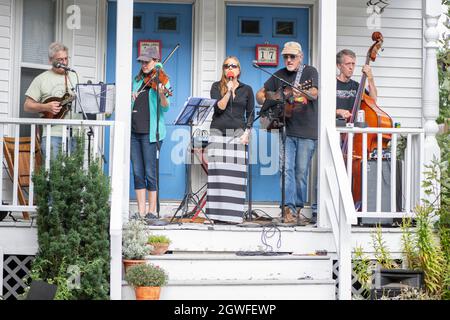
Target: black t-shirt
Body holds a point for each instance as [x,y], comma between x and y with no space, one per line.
[304,120]
[140,116]
[239,113]
[346,94]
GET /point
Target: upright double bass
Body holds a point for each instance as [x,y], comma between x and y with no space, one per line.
[374,117]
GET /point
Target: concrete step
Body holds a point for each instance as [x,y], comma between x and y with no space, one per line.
[192,267]
[243,290]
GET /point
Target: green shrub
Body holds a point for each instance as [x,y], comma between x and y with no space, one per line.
[73,227]
[158,239]
[146,275]
[134,240]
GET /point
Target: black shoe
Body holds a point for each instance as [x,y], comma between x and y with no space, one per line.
[150,216]
[136,216]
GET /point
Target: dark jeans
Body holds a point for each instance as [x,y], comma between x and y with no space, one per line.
[143,159]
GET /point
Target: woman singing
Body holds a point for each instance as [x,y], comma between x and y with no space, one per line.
[227,156]
[143,132]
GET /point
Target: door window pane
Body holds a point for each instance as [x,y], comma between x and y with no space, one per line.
[38,30]
[250,27]
[284,28]
[167,23]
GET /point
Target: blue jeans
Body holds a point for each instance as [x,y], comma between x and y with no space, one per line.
[143,159]
[55,145]
[299,153]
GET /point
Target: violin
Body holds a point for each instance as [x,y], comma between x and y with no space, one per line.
[151,80]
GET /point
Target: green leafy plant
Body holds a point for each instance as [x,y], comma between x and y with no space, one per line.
[134,240]
[382,253]
[153,239]
[146,275]
[363,270]
[443,60]
[73,227]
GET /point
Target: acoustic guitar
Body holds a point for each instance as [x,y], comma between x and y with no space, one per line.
[280,104]
[65,104]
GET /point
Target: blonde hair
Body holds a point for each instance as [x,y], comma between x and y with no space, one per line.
[223,80]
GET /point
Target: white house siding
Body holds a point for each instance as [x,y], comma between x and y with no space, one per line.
[398,69]
[5,55]
[87,58]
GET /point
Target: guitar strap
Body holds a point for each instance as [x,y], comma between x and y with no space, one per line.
[299,75]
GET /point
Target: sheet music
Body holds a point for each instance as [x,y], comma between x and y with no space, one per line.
[95,98]
[195,109]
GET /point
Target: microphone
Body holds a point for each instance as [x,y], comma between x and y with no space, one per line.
[230,75]
[255,63]
[58,65]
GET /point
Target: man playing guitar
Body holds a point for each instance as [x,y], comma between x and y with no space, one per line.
[51,93]
[301,127]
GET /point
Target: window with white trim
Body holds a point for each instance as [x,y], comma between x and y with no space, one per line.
[38,31]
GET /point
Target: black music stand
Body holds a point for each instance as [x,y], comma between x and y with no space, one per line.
[94,99]
[194,113]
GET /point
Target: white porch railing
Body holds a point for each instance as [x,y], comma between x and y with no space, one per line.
[411,170]
[10,128]
[341,208]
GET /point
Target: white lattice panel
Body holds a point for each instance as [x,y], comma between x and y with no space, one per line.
[15,271]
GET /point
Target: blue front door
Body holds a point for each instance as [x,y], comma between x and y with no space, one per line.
[171,24]
[246,27]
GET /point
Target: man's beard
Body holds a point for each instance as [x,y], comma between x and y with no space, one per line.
[291,68]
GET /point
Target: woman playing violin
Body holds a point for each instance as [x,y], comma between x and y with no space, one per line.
[146,92]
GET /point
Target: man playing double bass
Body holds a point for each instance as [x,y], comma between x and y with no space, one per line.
[52,85]
[346,88]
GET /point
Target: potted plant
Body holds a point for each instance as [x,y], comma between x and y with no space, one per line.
[134,243]
[159,244]
[147,280]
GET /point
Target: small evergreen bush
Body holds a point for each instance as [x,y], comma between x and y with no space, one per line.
[73,227]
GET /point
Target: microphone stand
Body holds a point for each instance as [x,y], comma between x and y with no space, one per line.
[283,138]
[158,146]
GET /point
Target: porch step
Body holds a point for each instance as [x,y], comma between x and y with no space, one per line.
[243,290]
[200,238]
[195,267]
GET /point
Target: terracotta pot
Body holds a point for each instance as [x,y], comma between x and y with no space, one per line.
[147,293]
[129,263]
[159,248]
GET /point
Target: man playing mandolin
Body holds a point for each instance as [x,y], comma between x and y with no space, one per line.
[301,126]
[51,93]
[346,88]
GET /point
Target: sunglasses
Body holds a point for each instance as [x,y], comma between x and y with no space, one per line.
[232,65]
[287,56]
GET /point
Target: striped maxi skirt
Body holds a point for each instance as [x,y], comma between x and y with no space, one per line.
[227,178]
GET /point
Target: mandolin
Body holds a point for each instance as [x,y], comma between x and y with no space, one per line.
[65,103]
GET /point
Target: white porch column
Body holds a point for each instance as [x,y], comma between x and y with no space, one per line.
[121,152]
[430,95]
[327,99]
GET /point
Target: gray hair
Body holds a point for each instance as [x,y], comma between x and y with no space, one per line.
[55,47]
[344,52]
